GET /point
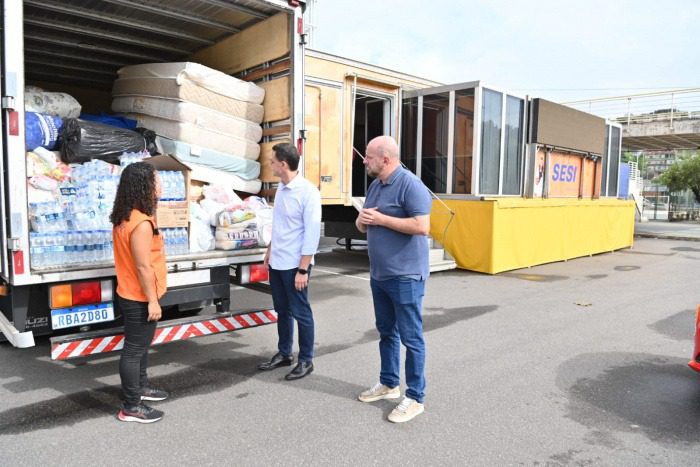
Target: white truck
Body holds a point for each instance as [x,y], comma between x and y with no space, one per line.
[77,47]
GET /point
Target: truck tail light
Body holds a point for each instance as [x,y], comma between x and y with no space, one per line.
[250,273]
[80,293]
[259,273]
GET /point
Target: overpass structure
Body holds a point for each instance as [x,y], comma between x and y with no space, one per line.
[655,121]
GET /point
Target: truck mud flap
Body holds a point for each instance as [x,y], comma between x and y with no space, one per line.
[111,340]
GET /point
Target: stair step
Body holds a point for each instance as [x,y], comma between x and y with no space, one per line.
[444,265]
[436,254]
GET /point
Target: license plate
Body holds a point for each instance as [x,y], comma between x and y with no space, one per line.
[82,315]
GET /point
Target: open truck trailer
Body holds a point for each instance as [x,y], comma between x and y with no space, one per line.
[77,47]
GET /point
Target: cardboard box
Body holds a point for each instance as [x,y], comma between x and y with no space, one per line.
[172,213]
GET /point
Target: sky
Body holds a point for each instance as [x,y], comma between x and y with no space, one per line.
[559,50]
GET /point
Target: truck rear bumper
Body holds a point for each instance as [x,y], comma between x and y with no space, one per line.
[17,339]
[110,340]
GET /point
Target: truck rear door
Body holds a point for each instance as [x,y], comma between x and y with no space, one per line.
[14,259]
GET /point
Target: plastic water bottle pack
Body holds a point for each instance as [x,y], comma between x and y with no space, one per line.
[176,241]
[172,185]
[47,217]
[131,157]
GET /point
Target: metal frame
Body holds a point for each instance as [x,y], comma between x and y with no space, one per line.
[619,155]
[419,137]
[477,150]
[297,81]
[450,143]
[16,239]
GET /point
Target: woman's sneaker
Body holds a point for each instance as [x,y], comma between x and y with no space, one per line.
[140,414]
[153,394]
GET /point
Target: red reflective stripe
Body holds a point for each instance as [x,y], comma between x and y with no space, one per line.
[115,342]
[18,258]
[243,322]
[159,331]
[210,326]
[227,324]
[256,318]
[68,350]
[171,334]
[194,331]
[270,315]
[14,123]
[94,343]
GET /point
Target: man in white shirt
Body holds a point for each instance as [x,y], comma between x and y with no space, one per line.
[296,229]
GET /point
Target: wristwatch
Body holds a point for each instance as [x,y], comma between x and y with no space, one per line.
[302,271]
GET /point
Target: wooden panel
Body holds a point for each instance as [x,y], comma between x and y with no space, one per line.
[332,69]
[276,103]
[263,42]
[262,72]
[265,166]
[564,127]
[277,130]
[323,122]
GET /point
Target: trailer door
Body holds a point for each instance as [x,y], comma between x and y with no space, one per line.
[14,260]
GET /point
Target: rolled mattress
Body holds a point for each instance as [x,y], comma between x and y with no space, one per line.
[198,136]
[200,75]
[187,112]
[217,177]
[189,92]
[189,154]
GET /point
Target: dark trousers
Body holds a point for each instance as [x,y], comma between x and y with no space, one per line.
[292,305]
[138,334]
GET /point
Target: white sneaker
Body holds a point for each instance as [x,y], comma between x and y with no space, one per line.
[379,391]
[406,410]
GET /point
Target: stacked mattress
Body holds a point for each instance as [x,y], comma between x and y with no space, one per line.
[201,115]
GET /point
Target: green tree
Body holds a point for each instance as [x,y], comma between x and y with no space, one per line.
[683,175]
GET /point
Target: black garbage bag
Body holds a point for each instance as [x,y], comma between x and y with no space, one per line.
[150,137]
[83,140]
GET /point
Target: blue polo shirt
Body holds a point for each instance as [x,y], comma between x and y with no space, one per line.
[393,254]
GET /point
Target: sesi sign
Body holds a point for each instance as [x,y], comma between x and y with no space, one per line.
[564,173]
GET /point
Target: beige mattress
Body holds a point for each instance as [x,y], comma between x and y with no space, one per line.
[217,177]
[200,75]
[187,91]
[198,136]
[187,112]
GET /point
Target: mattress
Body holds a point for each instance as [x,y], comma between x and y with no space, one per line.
[189,92]
[244,168]
[217,177]
[188,112]
[200,75]
[198,136]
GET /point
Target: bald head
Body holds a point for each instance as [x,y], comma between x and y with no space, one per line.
[386,146]
[382,157]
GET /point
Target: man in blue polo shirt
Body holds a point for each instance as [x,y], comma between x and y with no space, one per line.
[396,218]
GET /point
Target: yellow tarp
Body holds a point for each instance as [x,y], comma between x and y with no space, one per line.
[496,235]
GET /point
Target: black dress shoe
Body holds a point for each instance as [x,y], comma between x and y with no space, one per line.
[276,361]
[302,369]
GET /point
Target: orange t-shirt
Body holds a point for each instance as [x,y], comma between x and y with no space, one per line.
[128,285]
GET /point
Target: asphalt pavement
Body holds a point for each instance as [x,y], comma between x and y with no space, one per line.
[579,362]
[681,230]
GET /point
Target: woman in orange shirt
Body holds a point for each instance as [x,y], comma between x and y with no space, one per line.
[139,260]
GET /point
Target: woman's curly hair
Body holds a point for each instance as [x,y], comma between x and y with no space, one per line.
[137,190]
